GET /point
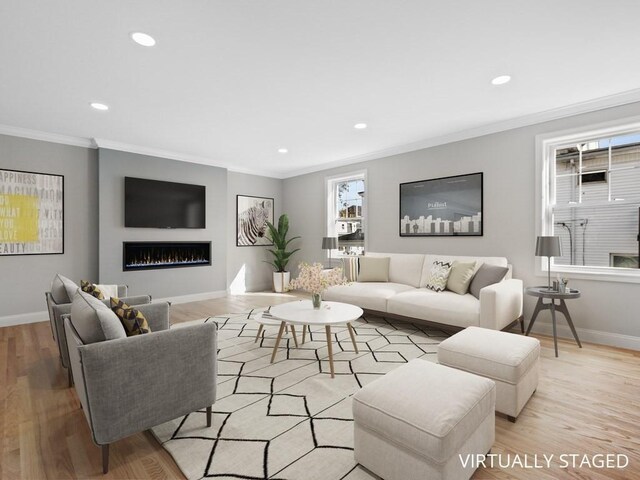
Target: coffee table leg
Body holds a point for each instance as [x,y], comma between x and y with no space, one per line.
[259,332]
[353,337]
[553,320]
[535,314]
[293,332]
[304,333]
[565,311]
[275,348]
[330,347]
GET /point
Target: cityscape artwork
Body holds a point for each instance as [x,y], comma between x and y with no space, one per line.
[449,206]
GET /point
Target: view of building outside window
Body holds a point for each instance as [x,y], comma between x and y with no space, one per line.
[349,216]
[597,202]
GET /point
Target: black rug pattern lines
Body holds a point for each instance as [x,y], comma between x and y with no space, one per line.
[289,420]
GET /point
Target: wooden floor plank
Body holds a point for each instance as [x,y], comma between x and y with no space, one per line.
[588,401]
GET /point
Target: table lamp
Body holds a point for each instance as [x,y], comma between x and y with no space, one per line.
[548,247]
[329,243]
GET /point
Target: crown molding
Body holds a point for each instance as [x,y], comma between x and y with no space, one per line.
[182,157]
[602,103]
[46,136]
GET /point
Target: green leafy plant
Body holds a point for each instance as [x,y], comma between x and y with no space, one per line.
[278,236]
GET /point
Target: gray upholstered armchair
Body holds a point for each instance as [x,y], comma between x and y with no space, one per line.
[131,384]
[56,310]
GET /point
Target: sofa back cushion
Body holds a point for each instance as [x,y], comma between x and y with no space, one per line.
[93,320]
[374,269]
[429,259]
[62,289]
[405,268]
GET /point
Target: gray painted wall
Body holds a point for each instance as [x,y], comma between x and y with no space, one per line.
[24,279]
[113,167]
[508,162]
[246,270]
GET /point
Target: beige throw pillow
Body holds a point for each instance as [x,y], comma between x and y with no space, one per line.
[374,269]
[460,277]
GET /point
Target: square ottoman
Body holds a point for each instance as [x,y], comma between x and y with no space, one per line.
[510,360]
[424,420]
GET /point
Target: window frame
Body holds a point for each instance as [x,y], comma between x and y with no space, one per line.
[544,191]
[330,213]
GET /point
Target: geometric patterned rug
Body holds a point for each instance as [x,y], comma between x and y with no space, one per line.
[290,419]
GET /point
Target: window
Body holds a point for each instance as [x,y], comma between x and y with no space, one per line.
[591,200]
[346,213]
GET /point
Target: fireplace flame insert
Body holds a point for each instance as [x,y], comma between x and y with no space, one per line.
[154,255]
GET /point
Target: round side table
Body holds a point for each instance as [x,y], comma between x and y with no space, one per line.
[553,295]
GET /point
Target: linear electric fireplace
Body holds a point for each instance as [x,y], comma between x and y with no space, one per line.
[152,255]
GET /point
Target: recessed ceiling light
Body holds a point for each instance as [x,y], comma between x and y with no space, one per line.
[283,150]
[143,39]
[100,106]
[501,80]
[360,126]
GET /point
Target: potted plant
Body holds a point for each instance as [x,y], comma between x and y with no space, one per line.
[315,280]
[281,255]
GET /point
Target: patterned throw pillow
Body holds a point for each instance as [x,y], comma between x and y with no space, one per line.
[132,319]
[438,276]
[91,289]
[350,268]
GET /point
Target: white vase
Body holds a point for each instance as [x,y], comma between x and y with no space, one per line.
[281,281]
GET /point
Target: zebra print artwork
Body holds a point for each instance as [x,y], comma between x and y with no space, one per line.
[252,216]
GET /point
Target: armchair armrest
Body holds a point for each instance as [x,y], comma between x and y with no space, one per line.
[123,290]
[135,383]
[157,315]
[500,304]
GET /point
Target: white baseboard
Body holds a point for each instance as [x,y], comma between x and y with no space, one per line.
[194,297]
[24,318]
[591,336]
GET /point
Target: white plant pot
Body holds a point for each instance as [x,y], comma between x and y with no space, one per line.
[281,281]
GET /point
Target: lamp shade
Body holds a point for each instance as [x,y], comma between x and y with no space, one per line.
[329,243]
[548,247]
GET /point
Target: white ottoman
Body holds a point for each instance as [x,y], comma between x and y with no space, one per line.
[422,420]
[510,360]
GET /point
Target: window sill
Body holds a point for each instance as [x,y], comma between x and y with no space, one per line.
[593,273]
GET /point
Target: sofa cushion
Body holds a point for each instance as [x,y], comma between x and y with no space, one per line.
[426,408]
[460,276]
[93,320]
[132,319]
[369,295]
[445,307]
[403,267]
[91,289]
[374,269]
[439,275]
[485,276]
[62,289]
[350,267]
[429,259]
[490,353]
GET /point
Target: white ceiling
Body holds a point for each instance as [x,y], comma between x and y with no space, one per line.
[229,82]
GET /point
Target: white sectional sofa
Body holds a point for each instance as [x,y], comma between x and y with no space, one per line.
[405,295]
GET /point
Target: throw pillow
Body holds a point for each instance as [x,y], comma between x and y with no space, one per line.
[63,289]
[91,289]
[438,276]
[374,269]
[132,319]
[460,277]
[350,268]
[485,276]
[93,320]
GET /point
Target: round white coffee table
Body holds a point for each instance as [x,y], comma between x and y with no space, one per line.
[303,313]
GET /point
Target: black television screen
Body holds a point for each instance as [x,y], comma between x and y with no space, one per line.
[157,204]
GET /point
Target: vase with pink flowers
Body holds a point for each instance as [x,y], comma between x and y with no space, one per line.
[315,280]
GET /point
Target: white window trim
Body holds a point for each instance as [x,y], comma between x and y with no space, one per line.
[545,145]
[329,190]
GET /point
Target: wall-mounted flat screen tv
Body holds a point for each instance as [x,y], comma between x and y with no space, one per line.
[157,204]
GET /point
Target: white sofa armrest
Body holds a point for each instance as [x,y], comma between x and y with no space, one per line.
[500,304]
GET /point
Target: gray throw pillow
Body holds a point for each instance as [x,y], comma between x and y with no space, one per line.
[374,269]
[62,289]
[93,320]
[485,276]
[460,277]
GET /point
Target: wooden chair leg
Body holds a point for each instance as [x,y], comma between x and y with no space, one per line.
[209,410]
[105,459]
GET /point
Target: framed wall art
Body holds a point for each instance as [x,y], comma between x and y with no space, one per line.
[31,213]
[252,214]
[448,206]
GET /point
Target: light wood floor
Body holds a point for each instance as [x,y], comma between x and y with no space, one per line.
[588,402]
